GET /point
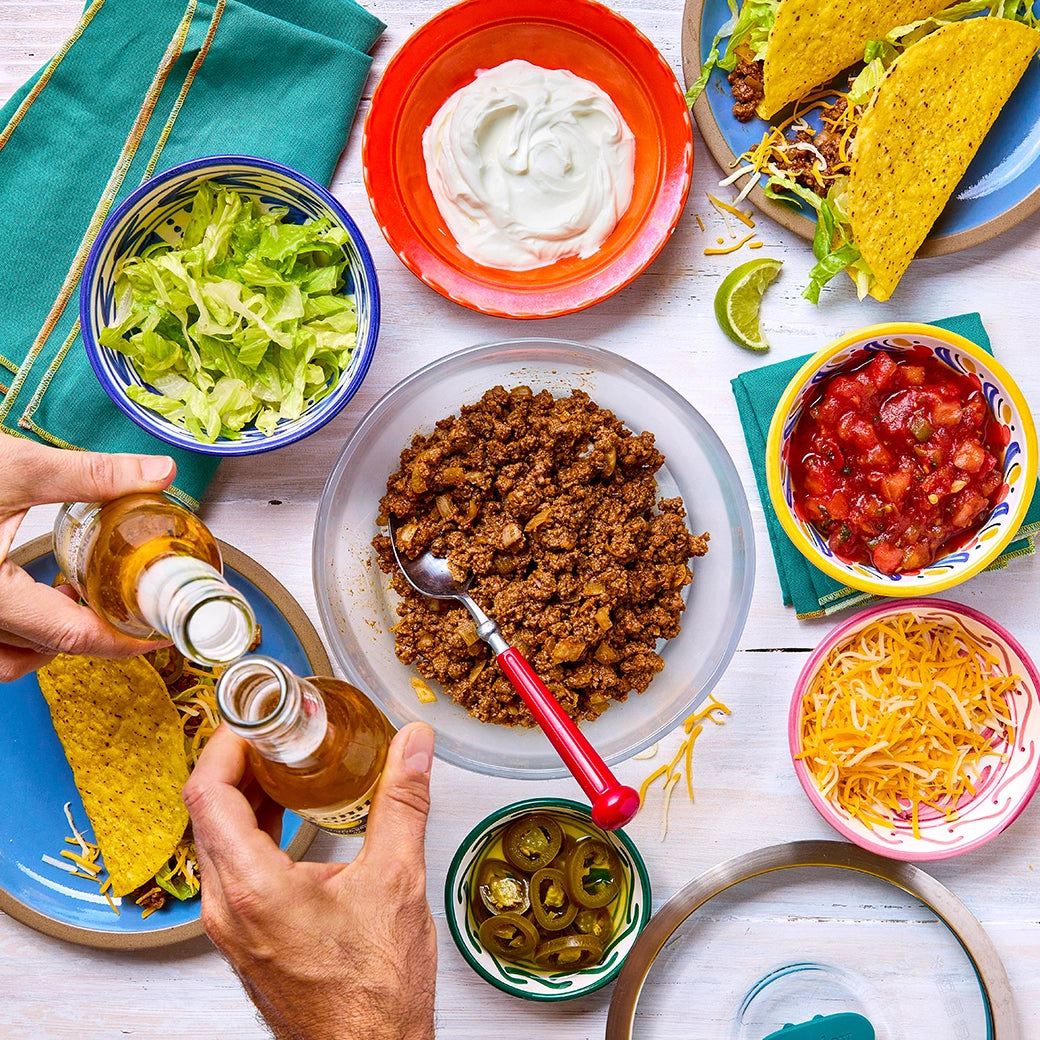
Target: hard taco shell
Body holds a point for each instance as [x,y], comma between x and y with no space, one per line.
[923,127]
[812,41]
[122,737]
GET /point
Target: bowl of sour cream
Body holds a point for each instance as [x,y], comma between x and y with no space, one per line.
[527,164]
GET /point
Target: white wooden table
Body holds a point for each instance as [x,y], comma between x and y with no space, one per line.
[746,792]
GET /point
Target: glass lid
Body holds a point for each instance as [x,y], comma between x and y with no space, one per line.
[812,940]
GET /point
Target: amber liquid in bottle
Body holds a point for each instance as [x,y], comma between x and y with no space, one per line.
[316,746]
[151,567]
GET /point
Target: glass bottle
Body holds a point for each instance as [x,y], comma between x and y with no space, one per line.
[149,566]
[317,746]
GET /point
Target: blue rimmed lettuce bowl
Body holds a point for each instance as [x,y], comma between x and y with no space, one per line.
[256,318]
[466,909]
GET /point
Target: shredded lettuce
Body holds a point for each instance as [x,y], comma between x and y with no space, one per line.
[243,321]
[179,879]
[833,244]
[750,27]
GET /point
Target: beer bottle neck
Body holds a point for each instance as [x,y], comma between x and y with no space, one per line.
[283,716]
[190,601]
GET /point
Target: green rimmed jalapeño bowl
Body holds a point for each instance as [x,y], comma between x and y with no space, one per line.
[629,911]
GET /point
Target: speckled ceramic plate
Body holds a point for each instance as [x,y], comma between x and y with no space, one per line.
[1009,776]
[1000,189]
[634,900]
[36,781]
[756,947]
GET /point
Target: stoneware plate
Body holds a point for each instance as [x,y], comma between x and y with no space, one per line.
[36,782]
[1000,189]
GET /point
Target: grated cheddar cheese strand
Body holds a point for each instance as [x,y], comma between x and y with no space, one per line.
[692,728]
[920,734]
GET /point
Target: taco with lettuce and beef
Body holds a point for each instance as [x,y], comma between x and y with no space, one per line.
[779,50]
[886,156]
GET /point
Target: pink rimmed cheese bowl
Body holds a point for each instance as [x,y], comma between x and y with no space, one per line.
[1004,777]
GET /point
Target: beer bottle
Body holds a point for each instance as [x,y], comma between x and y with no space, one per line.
[317,746]
[150,567]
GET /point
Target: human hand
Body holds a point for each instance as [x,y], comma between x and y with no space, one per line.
[37,621]
[326,951]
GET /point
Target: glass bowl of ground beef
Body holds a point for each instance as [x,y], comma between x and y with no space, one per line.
[601,519]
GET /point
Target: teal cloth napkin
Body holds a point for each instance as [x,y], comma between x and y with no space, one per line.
[140,86]
[807,588]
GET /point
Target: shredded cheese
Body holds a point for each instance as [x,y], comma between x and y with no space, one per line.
[669,786]
[725,207]
[714,712]
[773,154]
[83,863]
[905,715]
[729,249]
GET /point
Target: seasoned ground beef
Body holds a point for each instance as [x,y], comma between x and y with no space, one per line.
[813,157]
[748,88]
[551,504]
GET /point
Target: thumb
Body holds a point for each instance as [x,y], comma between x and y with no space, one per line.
[33,474]
[396,825]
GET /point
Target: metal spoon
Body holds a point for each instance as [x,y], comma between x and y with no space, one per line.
[613,804]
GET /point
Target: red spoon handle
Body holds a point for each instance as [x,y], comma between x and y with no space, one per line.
[613,804]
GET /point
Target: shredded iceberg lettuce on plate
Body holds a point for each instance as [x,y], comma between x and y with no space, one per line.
[243,321]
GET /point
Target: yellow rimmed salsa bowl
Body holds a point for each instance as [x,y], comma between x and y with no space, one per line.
[1009,418]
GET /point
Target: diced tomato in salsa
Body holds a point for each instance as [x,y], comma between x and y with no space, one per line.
[896,461]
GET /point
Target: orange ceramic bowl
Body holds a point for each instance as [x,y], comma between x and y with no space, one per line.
[582,37]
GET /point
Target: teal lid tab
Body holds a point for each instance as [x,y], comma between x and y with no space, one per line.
[846,1026]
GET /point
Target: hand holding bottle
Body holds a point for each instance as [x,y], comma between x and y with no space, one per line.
[37,621]
[323,949]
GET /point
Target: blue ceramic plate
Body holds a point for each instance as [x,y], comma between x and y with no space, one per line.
[1000,189]
[36,781]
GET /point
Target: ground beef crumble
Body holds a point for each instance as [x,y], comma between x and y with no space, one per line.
[550,503]
[748,88]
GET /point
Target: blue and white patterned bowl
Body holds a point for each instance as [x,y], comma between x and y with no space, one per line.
[631,915]
[151,212]
[1008,407]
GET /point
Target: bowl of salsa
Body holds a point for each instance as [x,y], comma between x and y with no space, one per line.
[901,459]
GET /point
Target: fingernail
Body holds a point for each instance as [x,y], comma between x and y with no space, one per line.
[155,467]
[418,752]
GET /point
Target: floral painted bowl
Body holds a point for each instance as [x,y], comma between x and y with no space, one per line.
[1008,408]
[630,911]
[154,212]
[1008,774]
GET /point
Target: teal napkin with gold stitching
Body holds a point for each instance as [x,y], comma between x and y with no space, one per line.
[807,588]
[140,86]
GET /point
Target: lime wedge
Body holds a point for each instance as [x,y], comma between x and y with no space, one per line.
[739,299]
